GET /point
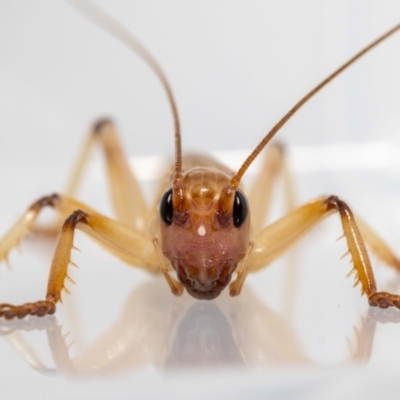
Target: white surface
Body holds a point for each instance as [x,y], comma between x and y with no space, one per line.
[298,327]
[235,67]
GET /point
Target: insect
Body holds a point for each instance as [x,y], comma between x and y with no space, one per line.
[198,232]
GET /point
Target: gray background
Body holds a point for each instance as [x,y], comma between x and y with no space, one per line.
[236,67]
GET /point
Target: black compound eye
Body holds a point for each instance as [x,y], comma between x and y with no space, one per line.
[166,210]
[240,209]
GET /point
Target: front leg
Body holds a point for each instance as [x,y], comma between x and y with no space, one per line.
[121,240]
[278,237]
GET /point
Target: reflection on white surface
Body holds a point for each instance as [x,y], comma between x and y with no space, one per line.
[154,329]
[292,320]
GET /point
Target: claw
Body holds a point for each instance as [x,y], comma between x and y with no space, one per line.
[384,300]
[40,309]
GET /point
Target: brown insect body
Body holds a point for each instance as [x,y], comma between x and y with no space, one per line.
[203,246]
[204,231]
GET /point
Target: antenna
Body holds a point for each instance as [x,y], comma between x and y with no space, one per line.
[99,17]
[236,179]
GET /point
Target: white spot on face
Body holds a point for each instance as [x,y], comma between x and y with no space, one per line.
[201,231]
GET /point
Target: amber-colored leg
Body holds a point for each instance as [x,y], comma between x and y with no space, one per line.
[377,245]
[24,225]
[281,235]
[175,286]
[261,190]
[123,241]
[236,286]
[127,197]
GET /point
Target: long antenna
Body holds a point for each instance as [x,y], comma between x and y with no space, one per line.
[236,179]
[114,28]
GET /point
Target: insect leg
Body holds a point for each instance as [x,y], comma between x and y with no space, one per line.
[121,240]
[25,225]
[377,245]
[175,286]
[279,236]
[127,197]
[261,190]
[236,286]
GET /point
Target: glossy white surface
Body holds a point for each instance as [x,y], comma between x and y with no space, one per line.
[299,330]
[297,319]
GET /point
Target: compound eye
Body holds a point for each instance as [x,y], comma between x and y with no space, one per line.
[240,209]
[166,210]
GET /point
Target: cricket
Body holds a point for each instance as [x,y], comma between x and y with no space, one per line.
[201,232]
